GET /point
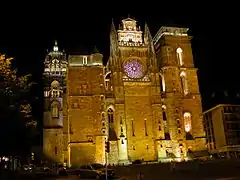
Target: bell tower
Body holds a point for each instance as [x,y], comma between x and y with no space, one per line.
[180,95]
[55,68]
[132,65]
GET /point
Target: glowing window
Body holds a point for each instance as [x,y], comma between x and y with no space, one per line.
[134,68]
[187,121]
[184,82]
[162,83]
[180,56]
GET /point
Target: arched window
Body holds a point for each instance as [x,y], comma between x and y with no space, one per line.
[55,110]
[108,81]
[164,113]
[110,117]
[166,128]
[187,121]
[184,82]
[179,52]
[162,83]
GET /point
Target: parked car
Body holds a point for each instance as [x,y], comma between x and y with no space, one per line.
[94,171]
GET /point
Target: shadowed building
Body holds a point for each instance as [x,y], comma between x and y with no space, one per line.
[222,126]
[145,101]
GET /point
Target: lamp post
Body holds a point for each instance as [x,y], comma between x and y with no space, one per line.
[107,150]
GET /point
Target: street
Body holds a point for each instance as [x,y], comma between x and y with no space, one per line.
[221,170]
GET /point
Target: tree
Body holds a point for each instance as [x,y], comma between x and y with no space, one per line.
[15,108]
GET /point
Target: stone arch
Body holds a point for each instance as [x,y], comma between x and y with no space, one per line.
[107,75]
[111,106]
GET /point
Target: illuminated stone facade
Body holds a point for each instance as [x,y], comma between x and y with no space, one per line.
[145,101]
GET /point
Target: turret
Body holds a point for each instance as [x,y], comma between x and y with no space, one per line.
[54,87]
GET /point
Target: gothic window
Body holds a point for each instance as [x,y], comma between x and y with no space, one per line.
[164,113]
[179,52]
[187,121]
[110,117]
[162,83]
[184,82]
[55,110]
[108,81]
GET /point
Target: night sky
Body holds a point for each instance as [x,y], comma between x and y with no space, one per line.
[27,34]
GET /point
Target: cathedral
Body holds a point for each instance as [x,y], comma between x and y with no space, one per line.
[145,102]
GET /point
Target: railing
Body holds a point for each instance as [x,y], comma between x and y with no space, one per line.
[132,44]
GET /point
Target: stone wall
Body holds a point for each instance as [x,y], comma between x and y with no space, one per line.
[53,145]
[82,153]
[140,123]
[113,154]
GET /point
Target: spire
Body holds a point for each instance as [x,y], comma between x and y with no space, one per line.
[147,34]
[55,47]
[113,30]
[113,38]
[149,42]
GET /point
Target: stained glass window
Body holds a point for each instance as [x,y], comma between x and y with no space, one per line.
[133,68]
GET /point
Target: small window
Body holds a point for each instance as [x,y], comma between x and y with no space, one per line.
[85,60]
[55,150]
[55,111]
